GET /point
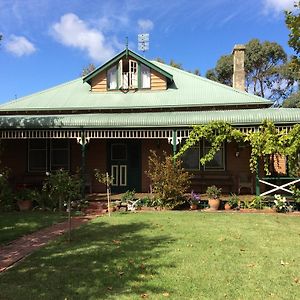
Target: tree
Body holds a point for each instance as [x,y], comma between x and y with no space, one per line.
[293,101]
[223,71]
[177,65]
[86,70]
[264,63]
[292,20]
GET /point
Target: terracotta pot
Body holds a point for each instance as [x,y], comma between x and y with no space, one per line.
[24,204]
[214,204]
[227,206]
[194,206]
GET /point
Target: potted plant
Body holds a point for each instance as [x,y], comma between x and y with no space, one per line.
[232,202]
[24,198]
[213,193]
[194,200]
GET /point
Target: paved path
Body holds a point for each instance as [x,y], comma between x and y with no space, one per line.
[20,248]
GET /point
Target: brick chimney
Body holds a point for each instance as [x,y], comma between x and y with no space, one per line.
[238,81]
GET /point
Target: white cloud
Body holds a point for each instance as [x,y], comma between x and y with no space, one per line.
[145,25]
[278,5]
[19,46]
[73,32]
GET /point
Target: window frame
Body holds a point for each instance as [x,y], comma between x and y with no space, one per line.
[201,150]
[108,78]
[141,66]
[29,149]
[48,155]
[67,148]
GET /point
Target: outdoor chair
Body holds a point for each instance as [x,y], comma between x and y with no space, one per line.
[245,180]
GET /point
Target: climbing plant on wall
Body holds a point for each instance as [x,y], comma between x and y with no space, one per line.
[266,142]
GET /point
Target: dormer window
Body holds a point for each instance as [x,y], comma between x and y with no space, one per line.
[145,77]
[128,74]
[112,78]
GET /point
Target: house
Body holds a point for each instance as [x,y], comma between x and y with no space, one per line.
[112,117]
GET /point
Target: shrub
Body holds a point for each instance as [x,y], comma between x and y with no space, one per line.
[296,196]
[169,180]
[281,205]
[7,202]
[233,201]
[62,187]
[213,192]
[257,202]
[129,196]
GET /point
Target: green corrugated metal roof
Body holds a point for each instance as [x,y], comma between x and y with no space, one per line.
[188,91]
[154,120]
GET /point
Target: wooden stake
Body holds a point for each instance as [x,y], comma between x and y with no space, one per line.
[69,219]
[108,193]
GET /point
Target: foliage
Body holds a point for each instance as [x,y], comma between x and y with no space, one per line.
[233,201]
[194,199]
[129,196]
[267,141]
[62,187]
[265,75]
[169,180]
[177,65]
[103,178]
[223,71]
[213,192]
[281,205]
[24,194]
[293,101]
[257,202]
[86,70]
[296,194]
[7,202]
[292,20]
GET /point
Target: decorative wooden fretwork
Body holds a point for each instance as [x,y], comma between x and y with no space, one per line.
[110,133]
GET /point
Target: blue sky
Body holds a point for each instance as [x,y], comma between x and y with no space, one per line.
[48,42]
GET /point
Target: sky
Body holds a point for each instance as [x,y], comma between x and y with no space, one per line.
[49,42]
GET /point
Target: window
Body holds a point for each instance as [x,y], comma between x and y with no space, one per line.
[191,158]
[118,152]
[112,78]
[59,154]
[37,155]
[145,77]
[217,162]
[47,155]
[128,74]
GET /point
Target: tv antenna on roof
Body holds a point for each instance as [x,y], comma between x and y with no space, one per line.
[143,41]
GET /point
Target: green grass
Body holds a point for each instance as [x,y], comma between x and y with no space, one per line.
[166,255]
[16,224]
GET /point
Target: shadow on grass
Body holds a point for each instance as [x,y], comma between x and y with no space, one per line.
[14,225]
[103,261]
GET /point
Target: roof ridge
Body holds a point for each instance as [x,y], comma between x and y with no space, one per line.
[211,81]
[40,92]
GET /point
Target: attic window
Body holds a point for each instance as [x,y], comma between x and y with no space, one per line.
[145,77]
[112,78]
[128,74]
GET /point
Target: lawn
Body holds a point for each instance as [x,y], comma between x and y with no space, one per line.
[161,255]
[16,224]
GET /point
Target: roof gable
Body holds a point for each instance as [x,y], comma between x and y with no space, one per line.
[124,53]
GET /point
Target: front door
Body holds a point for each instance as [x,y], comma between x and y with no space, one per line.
[125,165]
